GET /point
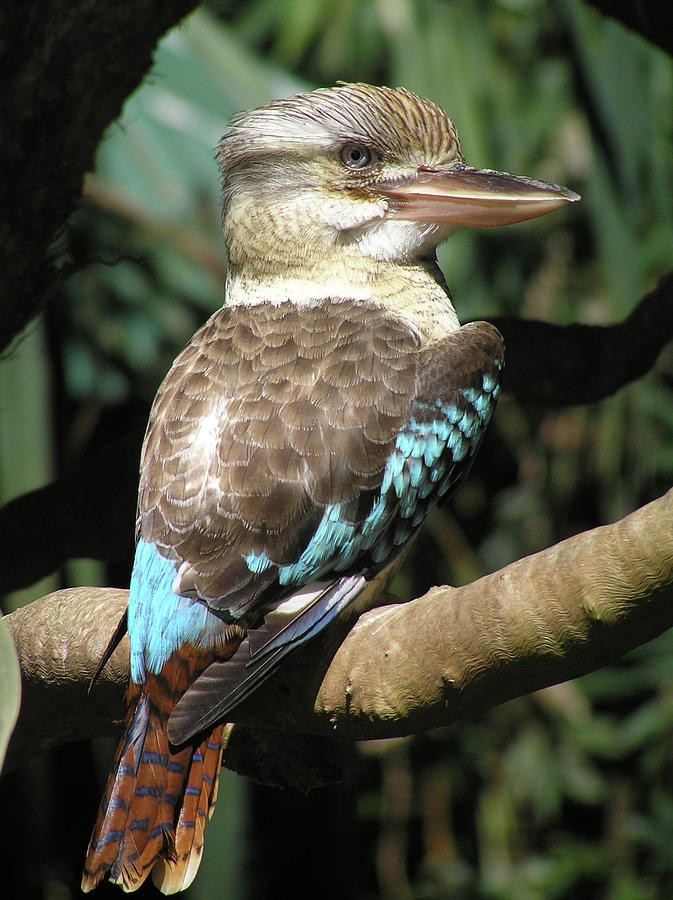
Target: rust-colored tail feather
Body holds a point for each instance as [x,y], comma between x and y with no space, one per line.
[177,872]
[157,801]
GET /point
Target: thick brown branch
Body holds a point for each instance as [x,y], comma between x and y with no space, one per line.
[403,668]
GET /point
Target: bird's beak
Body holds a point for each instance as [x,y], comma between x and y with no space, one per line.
[460,195]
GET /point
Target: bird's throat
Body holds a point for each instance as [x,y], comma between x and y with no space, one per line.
[416,292]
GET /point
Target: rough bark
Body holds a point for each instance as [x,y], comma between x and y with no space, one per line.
[403,668]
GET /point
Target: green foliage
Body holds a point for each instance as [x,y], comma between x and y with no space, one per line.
[152,217]
[10,689]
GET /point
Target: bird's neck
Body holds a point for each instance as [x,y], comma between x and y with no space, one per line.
[415,291]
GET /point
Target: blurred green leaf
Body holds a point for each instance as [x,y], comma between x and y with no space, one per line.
[10,689]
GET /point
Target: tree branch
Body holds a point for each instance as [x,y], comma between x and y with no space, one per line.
[402,668]
[67,68]
[559,365]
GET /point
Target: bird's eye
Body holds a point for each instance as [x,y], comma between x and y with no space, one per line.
[357,156]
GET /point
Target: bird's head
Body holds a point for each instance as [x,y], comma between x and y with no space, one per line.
[372,169]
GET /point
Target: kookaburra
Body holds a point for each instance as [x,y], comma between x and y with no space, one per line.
[301,437]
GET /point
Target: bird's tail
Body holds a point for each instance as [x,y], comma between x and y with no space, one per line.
[156,804]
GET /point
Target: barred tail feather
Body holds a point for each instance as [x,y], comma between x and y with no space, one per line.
[177,871]
[155,805]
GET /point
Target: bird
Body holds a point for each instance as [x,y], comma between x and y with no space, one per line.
[301,437]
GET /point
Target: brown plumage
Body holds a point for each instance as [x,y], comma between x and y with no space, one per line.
[301,437]
[290,436]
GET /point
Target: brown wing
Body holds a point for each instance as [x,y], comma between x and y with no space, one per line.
[271,414]
[287,445]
